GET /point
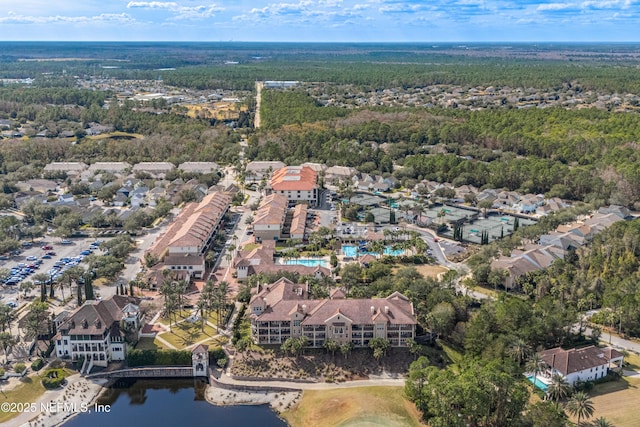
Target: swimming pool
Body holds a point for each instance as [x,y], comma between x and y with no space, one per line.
[309,262]
[351,251]
[542,386]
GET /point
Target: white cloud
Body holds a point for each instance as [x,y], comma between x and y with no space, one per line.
[181,12]
[153,5]
[555,6]
[102,18]
[607,4]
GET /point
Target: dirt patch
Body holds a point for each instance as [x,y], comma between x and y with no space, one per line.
[318,365]
[431,270]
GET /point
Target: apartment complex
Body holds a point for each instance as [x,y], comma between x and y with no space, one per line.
[283,310]
[96,331]
[184,244]
[297,183]
[269,219]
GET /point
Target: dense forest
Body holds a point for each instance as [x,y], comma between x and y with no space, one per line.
[582,154]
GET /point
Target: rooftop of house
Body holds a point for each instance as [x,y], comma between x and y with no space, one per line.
[578,359]
[199,167]
[259,166]
[95,317]
[299,220]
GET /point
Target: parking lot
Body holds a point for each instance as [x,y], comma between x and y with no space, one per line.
[57,256]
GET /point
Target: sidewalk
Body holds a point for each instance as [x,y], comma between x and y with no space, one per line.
[387,382]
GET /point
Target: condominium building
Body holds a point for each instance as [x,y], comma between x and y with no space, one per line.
[297,183]
[184,244]
[283,310]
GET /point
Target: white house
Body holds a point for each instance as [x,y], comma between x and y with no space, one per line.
[96,331]
[581,364]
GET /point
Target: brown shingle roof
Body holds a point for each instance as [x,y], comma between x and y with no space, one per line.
[575,360]
[94,317]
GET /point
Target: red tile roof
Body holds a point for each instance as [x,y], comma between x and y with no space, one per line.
[294,178]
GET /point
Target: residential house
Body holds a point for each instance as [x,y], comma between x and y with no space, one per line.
[155,169]
[529,203]
[335,174]
[580,364]
[199,167]
[72,169]
[318,167]
[155,195]
[96,331]
[620,211]
[297,183]
[552,205]
[256,170]
[138,196]
[283,310]
[40,185]
[120,168]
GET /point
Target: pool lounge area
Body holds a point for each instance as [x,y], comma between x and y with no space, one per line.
[353,251]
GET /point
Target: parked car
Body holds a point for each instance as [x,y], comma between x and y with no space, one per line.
[66,242]
[4,257]
[51,253]
[31,258]
[46,256]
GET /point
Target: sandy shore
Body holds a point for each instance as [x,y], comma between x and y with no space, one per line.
[75,397]
[279,401]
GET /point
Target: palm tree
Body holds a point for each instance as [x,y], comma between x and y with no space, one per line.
[580,406]
[7,341]
[601,422]
[519,350]
[558,389]
[535,365]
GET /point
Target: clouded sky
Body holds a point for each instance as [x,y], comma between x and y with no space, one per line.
[321,20]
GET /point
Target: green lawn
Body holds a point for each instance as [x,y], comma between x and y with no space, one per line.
[186,333]
[180,315]
[147,343]
[350,407]
[29,391]
[617,401]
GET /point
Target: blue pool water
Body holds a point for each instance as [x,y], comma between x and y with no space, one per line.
[351,251]
[542,386]
[309,262]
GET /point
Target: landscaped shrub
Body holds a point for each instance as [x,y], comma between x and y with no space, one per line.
[1,372]
[216,354]
[159,357]
[37,364]
[19,367]
[53,378]
[222,362]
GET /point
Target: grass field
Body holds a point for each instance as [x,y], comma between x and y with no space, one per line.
[350,407]
[29,391]
[617,401]
[430,270]
[148,343]
[186,333]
